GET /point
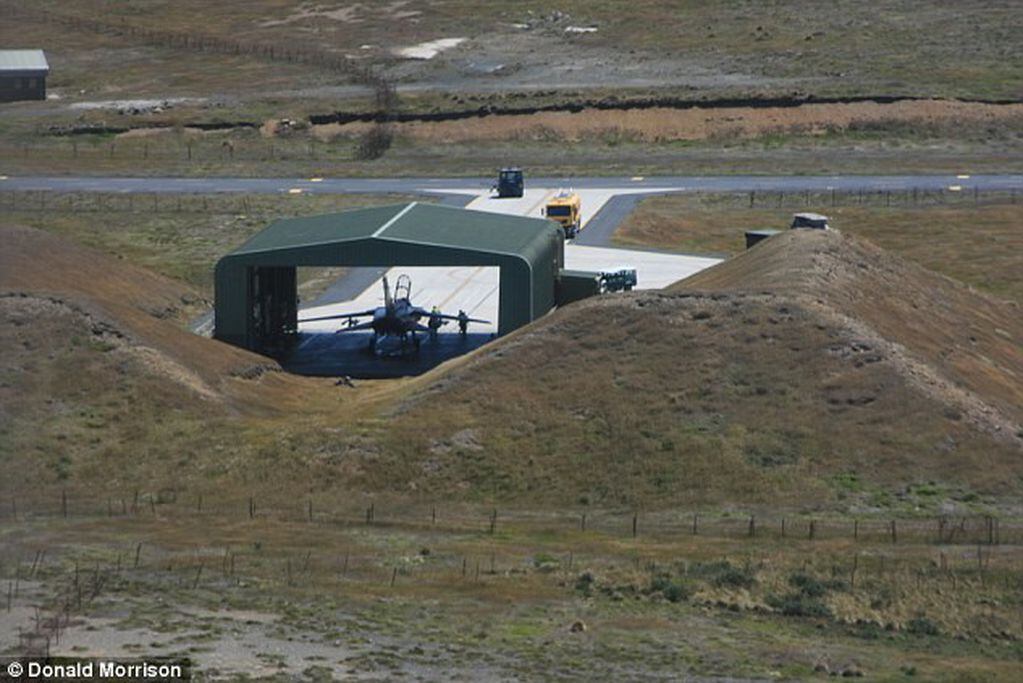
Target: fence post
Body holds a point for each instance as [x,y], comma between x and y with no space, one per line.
[635,520]
[696,519]
[894,532]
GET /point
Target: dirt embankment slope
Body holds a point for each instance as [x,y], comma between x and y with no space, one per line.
[98,373]
[136,308]
[813,359]
[955,342]
[812,367]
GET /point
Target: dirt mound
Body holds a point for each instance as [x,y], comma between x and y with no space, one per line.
[964,345]
[102,385]
[91,295]
[780,373]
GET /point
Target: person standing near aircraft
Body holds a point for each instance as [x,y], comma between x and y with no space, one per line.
[463,323]
[434,323]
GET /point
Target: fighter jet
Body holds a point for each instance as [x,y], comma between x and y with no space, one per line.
[397,319]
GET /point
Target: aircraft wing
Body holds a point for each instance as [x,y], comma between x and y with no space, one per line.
[444,316]
[355,328]
[339,316]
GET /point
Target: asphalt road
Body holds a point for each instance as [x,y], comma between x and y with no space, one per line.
[600,228]
[414,185]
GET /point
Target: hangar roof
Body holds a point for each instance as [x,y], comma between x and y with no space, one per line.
[23,60]
[418,223]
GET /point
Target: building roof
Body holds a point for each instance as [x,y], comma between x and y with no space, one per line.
[23,60]
[416,222]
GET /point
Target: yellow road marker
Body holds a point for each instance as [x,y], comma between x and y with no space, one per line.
[962,176]
[316,180]
[295,190]
[955,188]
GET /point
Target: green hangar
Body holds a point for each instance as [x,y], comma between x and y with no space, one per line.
[256,302]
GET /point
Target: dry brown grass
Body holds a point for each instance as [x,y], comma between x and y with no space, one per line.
[781,377]
[516,593]
[811,357]
[668,125]
[961,338]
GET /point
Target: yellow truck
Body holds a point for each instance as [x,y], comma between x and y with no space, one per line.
[565,208]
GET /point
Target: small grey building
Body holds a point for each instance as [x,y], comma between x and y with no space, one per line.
[23,75]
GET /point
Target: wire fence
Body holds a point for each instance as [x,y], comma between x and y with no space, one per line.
[963,529]
[137,202]
[198,201]
[195,152]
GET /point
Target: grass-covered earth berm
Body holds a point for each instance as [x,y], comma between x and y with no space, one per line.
[813,356]
[798,463]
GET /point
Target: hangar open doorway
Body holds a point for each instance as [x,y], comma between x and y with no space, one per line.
[256,285]
[331,344]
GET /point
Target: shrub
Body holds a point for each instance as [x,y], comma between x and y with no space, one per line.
[584,583]
[677,592]
[922,626]
[672,589]
[798,605]
[375,143]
